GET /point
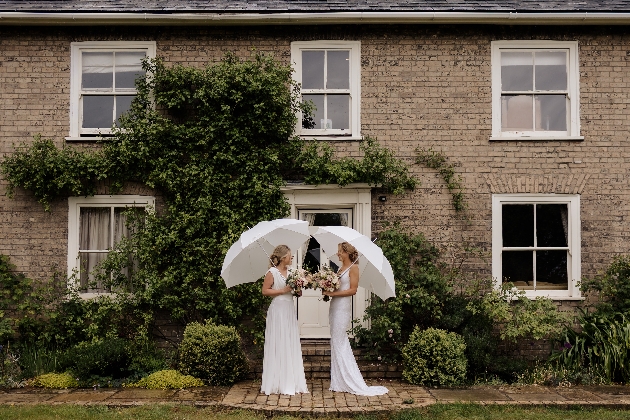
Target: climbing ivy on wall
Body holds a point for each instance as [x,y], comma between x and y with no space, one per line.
[216,143]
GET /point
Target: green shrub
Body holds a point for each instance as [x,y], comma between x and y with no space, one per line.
[612,287]
[556,374]
[167,379]
[55,380]
[213,353]
[434,357]
[107,358]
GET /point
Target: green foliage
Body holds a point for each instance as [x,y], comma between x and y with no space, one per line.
[108,358]
[50,172]
[213,353]
[612,287]
[167,379]
[602,343]
[434,357]
[557,374]
[520,317]
[55,380]
[436,160]
[420,291]
[378,166]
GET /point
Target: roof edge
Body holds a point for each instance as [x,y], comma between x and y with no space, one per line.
[247,19]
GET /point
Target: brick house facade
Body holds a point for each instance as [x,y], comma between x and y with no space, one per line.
[421,85]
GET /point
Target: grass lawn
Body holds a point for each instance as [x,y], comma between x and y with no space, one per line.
[435,412]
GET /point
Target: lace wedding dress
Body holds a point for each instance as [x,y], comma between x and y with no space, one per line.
[344,372]
[283,370]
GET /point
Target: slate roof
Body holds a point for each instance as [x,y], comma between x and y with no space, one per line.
[314,6]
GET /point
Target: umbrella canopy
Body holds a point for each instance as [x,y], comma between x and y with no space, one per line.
[375,271]
[248,258]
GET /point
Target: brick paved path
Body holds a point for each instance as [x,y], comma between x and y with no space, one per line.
[320,401]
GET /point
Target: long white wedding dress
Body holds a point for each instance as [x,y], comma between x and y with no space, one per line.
[283,369]
[344,372]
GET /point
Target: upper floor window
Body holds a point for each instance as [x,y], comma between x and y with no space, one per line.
[103,76]
[535,90]
[95,225]
[329,73]
[536,243]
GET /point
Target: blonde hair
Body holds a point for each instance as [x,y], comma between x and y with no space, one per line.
[352,252]
[278,254]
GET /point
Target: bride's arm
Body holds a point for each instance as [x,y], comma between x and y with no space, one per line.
[268,284]
[354,284]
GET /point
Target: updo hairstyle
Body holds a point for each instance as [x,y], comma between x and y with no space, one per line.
[352,252]
[278,254]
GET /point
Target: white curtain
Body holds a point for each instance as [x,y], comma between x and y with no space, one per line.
[94,242]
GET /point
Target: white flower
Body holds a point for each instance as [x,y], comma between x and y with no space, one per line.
[407,296]
[379,357]
[390,331]
[390,336]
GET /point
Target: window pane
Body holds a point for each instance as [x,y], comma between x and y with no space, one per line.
[517,71]
[518,268]
[98,111]
[313,69]
[551,270]
[339,111]
[128,68]
[98,68]
[518,225]
[338,75]
[551,112]
[517,113]
[551,70]
[94,228]
[318,112]
[123,104]
[87,262]
[552,224]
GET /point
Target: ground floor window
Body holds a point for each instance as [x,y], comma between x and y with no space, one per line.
[536,243]
[95,225]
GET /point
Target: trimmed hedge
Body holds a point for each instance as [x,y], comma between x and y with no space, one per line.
[213,353]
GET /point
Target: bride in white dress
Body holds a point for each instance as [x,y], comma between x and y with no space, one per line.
[283,370]
[344,372]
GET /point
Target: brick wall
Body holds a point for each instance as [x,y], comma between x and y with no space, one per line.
[424,86]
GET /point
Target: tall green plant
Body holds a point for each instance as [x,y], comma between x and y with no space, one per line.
[603,344]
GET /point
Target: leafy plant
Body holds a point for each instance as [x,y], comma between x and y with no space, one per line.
[434,357]
[213,353]
[436,160]
[107,358]
[602,344]
[55,381]
[167,379]
[612,287]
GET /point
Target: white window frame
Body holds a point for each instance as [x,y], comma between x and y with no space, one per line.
[355,87]
[573,107]
[74,210]
[77,48]
[574,241]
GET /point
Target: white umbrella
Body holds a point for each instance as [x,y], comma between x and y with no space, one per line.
[248,258]
[375,271]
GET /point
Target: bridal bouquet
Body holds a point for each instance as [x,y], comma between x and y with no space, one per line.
[299,279]
[326,280]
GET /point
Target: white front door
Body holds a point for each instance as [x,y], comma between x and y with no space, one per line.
[328,205]
[311,308]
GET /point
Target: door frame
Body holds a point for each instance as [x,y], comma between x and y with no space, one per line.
[357,197]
